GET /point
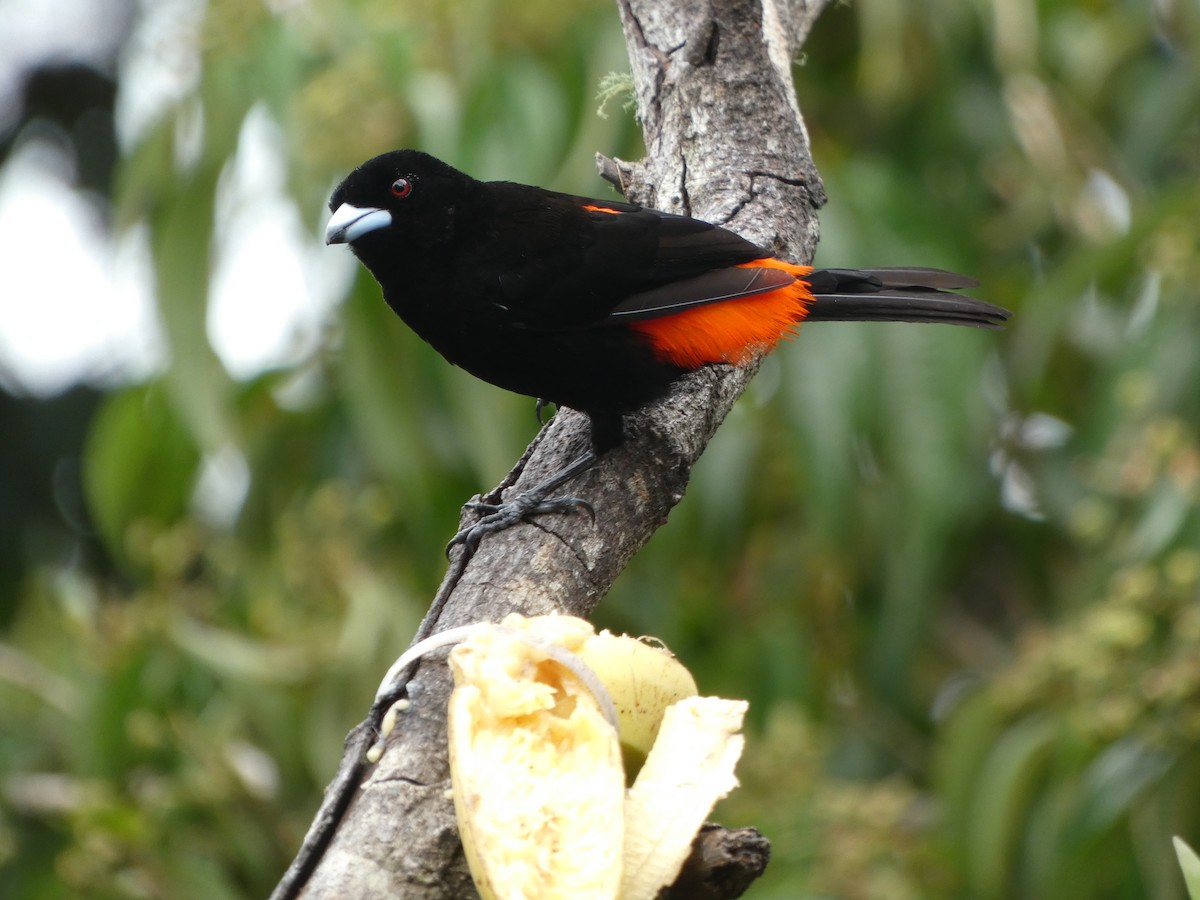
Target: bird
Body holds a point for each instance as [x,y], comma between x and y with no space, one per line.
[596,305]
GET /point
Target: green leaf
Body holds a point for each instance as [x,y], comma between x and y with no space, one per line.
[1114,782]
[201,388]
[1190,864]
[139,463]
[1002,797]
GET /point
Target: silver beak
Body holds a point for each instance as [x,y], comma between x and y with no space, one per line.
[348,223]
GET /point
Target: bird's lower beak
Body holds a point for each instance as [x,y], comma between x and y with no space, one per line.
[348,223]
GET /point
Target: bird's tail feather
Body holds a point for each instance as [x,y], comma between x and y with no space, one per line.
[898,295]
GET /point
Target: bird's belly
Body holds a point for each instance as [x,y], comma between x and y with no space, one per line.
[597,370]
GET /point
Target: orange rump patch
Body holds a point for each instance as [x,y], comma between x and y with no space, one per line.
[731,331]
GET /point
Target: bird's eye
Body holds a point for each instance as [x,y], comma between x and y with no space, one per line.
[401,188]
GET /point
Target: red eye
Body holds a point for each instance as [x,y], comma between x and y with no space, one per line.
[401,188]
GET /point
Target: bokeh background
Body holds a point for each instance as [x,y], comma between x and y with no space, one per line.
[955,573]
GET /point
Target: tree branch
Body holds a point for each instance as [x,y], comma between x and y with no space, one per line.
[725,143]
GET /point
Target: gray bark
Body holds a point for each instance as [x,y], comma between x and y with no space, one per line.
[725,143]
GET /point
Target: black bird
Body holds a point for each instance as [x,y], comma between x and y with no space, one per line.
[594,304]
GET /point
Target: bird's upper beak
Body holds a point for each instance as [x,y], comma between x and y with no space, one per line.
[348,223]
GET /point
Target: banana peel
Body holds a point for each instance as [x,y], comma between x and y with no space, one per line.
[643,679]
[688,770]
[542,713]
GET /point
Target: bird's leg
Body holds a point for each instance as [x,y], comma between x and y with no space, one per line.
[606,434]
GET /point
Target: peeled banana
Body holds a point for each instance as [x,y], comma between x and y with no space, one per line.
[535,759]
[536,769]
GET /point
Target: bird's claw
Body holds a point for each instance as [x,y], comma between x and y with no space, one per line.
[499,516]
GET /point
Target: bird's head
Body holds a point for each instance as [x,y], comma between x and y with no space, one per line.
[403,199]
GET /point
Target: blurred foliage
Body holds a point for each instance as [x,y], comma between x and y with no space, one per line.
[955,573]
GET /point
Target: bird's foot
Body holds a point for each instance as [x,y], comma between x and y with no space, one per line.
[533,502]
[499,516]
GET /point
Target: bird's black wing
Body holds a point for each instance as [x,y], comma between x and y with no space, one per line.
[582,260]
